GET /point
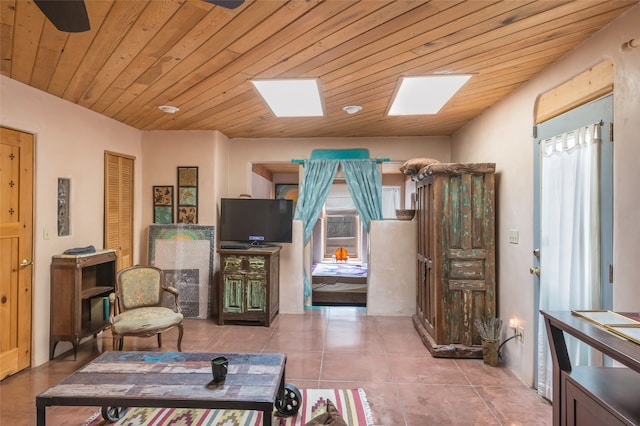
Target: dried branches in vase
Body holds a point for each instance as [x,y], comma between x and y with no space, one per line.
[489,329]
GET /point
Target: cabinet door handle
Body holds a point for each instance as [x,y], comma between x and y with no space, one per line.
[25,263]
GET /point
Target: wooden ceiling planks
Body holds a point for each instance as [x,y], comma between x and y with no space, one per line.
[121,18]
[148,26]
[192,69]
[28,34]
[75,49]
[50,49]
[238,74]
[152,59]
[233,73]
[141,54]
[7,18]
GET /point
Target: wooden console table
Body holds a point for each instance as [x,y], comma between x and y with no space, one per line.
[592,395]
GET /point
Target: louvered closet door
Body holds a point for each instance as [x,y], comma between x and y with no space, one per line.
[118,206]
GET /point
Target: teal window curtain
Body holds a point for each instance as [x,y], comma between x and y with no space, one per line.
[317,180]
[365,185]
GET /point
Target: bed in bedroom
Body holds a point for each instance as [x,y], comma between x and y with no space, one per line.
[339,283]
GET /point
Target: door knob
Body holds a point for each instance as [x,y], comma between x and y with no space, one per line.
[25,263]
[535,271]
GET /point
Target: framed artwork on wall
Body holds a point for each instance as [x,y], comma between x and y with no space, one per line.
[187,195]
[163,204]
[187,176]
[187,215]
[287,191]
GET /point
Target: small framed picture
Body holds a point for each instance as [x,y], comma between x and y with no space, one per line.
[163,204]
[187,195]
[188,215]
[187,176]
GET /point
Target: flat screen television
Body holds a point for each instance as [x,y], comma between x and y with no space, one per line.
[256,221]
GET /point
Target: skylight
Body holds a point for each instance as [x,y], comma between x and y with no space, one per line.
[426,94]
[299,97]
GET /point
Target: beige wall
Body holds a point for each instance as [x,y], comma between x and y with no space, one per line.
[70,142]
[391,286]
[244,152]
[503,135]
[164,151]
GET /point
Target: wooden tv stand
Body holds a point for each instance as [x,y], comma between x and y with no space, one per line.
[592,395]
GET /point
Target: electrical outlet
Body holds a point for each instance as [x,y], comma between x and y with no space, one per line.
[520,331]
[514,236]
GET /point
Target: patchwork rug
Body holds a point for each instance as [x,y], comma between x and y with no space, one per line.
[351,403]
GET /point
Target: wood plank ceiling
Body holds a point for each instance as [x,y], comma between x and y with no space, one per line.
[199,57]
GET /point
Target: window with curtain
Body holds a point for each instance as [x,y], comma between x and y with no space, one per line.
[363,179]
[341,222]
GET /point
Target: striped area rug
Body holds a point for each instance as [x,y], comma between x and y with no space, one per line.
[351,403]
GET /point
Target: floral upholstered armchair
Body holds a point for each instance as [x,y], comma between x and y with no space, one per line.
[137,307]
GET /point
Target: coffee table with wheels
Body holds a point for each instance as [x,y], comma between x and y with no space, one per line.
[116,380]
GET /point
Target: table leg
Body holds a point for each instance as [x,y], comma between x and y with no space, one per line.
[561,362]
[41,416]
[267,417]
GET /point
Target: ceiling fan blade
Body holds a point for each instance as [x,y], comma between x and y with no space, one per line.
[229,4]
[66,15]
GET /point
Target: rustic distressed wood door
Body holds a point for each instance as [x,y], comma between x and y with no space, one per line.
[118,206]
[16,250]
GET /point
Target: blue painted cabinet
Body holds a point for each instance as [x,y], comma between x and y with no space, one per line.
[249,285]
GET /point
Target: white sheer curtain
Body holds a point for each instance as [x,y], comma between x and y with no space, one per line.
[570,238]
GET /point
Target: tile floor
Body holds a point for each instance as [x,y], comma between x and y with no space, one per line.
[334,347]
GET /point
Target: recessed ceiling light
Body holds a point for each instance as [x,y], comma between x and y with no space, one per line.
[425,95]
[169,109]
[297,97]
[352,109]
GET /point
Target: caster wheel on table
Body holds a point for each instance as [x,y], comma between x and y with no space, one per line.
[290,402]
[113,414]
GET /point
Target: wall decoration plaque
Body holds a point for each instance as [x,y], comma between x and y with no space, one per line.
[64,190]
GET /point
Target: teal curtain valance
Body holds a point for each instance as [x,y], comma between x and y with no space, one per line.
[340,154]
